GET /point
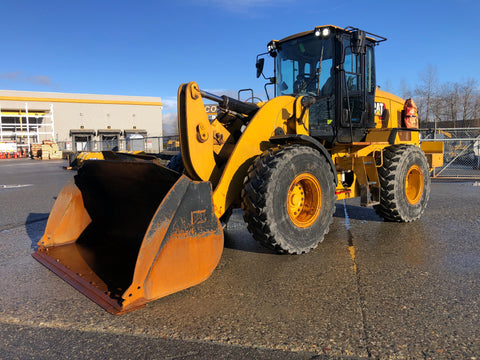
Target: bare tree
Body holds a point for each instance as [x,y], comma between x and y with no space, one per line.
[467,93]
[387,86]
[476,108]
[427,91]
[449,102]
[455,102]
[405,89]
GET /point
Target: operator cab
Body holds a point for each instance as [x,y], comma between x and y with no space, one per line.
[336,66]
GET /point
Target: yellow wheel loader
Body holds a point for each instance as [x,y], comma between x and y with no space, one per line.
[128,231]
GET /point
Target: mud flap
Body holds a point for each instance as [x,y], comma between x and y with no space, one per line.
[126,233]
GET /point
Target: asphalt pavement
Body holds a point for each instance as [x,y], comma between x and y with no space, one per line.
[372,289]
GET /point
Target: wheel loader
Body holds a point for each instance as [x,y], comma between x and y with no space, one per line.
[128,231]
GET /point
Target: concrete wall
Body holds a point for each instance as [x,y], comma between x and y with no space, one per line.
[97,112]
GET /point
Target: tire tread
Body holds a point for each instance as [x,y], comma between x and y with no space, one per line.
[257,214]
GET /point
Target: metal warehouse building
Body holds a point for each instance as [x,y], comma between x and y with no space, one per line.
[78,120]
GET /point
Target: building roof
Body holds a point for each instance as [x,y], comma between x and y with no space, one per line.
[52,97]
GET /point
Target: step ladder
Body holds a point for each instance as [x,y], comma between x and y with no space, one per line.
[367,177]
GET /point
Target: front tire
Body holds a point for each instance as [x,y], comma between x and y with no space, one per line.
[289,199]
[405,184]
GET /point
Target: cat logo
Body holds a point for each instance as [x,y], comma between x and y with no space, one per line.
[379,109]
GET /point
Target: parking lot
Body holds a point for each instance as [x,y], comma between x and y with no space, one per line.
[372,289]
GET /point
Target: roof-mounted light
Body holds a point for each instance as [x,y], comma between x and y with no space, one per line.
[272,48]
[322,32]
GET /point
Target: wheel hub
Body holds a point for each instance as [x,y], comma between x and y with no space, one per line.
[414,184]
[304,200]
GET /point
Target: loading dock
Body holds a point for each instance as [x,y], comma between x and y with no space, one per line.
[82,138]
[109,139]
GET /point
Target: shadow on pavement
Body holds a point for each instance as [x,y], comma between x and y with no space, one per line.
[244,243]
[356,212]
[34,227]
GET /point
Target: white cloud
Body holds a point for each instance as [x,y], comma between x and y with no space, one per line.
[14,76]
[170,126]
[246,5]
[169,104]
[220,92]
[169,114]
[234,94]
[19,76]
[41,80]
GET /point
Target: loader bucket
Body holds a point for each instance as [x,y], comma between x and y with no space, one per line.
[125,233]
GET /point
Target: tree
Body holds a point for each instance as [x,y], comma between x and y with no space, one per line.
[467,93]
[448,102]
[476,108]
[455,102]
[405,89]
[427,91]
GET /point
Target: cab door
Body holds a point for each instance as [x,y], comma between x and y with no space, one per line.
[357,92]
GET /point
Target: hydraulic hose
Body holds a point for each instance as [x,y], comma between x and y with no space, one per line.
[228,103]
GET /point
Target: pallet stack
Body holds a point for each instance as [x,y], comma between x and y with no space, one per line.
[47,150]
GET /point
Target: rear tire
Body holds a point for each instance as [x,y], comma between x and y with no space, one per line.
[405,184]
[289,199]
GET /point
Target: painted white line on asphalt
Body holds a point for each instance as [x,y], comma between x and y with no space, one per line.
[14,186]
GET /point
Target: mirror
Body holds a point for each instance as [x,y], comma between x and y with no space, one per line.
[259,65]
[358,42]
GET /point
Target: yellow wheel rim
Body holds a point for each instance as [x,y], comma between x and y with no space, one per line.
[304,200]
[414,184]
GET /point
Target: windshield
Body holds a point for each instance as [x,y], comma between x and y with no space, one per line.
[304,66]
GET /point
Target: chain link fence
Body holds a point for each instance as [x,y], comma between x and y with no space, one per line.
[461,149]
[461,158]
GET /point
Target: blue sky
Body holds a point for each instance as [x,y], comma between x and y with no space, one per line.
[149,48]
